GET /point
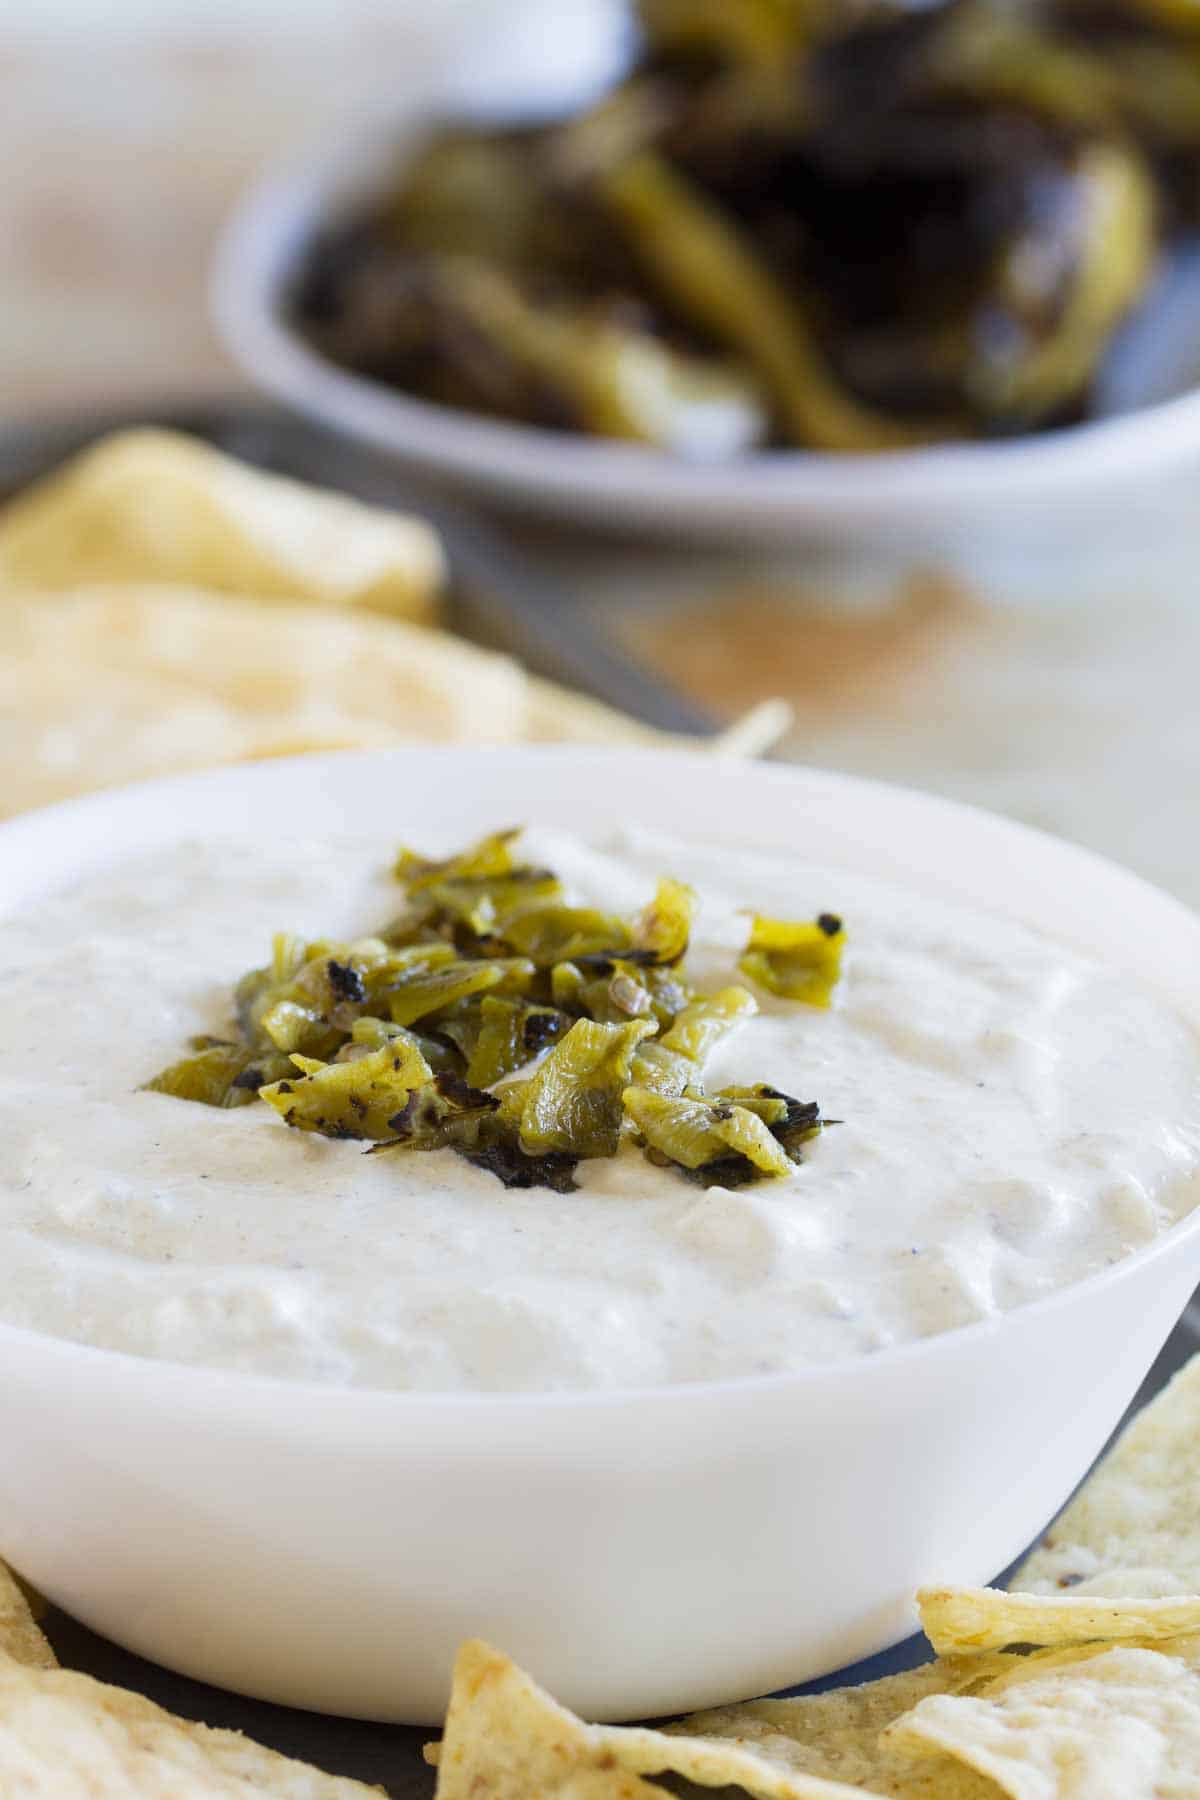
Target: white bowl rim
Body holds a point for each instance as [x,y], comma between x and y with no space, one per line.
[248,1384]
[257,251]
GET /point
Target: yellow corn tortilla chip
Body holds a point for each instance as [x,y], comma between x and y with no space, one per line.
[20,1637]
[960,1621]
[109,684]
[1096,1724]
[104,686]
[506,1739]
[837,1735]
[1133,1529]
[1121,1561]
[67,1737]
[156,506]
[134,638]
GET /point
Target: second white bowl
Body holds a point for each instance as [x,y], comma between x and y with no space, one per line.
[971,504]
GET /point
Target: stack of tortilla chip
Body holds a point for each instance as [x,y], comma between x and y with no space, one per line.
[163,608]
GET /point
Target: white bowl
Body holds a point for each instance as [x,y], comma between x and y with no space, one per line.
[643,1551]
[944,501]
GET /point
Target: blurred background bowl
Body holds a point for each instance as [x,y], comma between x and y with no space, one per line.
[980,501]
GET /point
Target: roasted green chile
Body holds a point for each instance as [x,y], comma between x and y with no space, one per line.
[843,227]
[493,1018]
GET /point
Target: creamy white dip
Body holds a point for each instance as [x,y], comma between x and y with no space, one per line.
[1015,1117]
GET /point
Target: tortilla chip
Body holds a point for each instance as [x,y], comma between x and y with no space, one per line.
[1099,1724]
[964,1620]
[20,1638]
[1121,1561]
[134,638]
[836,1735]
[67,1737]
[156,506]
[104,686]
[507,1740]
[1133,1529]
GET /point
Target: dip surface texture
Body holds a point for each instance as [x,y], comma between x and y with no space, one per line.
[1014,1117]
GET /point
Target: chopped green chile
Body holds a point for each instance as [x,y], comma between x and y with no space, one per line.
[554,934]
[511,1034]
[477,906]
[350,1099]
[681,1129]
[675,1061]
[792,1122]
[669,993]
[410,1040]
[801,1122]
[511,1165]
[440,1052]
[446,1112]
[623,989]
[498,1049]
[614,997]
[219,1075]
[798,960]
[770,1107]
[663,929]
[427,991]
[483,1129]
[567,987]
[371,1034]
[320,996]
[694,1132]
[490,857]
[291,1026]
[573,1102]
[405,959]
[459,1025]
[627,996]
[705,1021]
[257,990]
[518,976]
[663,1071]
[746,1135]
